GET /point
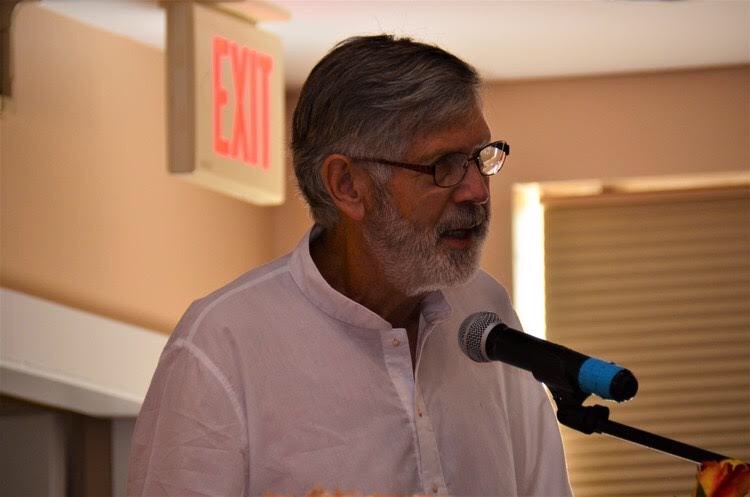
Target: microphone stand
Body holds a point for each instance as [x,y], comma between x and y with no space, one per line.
[590,419]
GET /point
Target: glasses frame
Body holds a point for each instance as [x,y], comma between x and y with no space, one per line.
[431,168]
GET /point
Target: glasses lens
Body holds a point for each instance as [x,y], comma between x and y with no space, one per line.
[450,169]
[492,158]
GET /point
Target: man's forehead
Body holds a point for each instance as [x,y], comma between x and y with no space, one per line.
[462,136]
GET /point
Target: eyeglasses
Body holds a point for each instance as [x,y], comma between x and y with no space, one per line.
[450,169]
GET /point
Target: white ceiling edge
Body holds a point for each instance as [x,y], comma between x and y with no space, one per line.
[62,357]
[504,40]
[532,39]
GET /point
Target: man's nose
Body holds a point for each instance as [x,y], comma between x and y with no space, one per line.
[474,187]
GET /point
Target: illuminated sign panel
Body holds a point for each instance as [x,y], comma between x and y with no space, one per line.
[226,117]
[251,70]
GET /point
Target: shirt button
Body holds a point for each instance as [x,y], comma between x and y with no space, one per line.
[434,489]
[396,342]
[419,413]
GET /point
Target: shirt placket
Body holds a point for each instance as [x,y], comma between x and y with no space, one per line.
[395,344]
[405,381]
[398,362]
[433,480]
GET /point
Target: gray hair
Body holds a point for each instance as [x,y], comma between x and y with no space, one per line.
[372,96]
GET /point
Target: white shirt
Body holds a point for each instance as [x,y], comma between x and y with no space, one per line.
[278,383]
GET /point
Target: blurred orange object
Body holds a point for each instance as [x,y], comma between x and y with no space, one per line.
[727,478]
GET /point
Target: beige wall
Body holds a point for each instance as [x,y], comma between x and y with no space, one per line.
[90,218]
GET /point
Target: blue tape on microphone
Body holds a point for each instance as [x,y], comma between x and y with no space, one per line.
[595,376]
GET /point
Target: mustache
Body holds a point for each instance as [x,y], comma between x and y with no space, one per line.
[464,217]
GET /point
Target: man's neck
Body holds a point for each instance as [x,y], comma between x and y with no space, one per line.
[343,259]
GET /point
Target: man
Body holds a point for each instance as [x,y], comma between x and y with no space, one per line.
[338,365]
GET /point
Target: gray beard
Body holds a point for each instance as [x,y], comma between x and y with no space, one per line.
[411,257]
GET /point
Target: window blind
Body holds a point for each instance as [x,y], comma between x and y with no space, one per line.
[659,283]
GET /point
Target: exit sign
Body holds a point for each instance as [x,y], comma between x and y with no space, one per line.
[225,116]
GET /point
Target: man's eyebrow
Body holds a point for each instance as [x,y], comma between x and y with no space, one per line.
[439,154]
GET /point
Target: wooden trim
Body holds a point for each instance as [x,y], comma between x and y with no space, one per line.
[89,456]
[614,196]
[6,19]
[180,61]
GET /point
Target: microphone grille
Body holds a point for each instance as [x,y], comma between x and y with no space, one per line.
[471,331]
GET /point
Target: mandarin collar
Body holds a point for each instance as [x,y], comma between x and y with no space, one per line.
[306,275]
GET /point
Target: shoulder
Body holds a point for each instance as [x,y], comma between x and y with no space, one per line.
[217,331]
[229,306]
[484,282]
[253,281]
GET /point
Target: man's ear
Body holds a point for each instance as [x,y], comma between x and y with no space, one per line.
[345,183]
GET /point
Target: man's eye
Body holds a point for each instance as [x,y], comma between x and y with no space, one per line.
[452,161]
[450,169]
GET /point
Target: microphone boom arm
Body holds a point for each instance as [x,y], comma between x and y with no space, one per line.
[595,419]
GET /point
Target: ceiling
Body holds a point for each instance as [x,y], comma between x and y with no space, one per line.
[504,39]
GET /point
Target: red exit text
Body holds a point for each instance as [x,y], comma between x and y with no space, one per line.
[248,140]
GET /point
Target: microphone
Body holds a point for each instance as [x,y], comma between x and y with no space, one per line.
[484,337]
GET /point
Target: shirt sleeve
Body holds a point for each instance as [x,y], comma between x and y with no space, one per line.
[189,439]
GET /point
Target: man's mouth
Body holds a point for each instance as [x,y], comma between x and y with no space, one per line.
[462,233]
[459,233]
[464,228]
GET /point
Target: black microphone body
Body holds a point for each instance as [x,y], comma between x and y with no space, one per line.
[483,337]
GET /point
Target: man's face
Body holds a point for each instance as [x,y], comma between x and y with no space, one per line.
[427,237]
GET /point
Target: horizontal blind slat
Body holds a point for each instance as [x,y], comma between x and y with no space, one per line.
[604,317]
[661,269]
[636,327]
[647,339]
[654,297]
[677,279]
